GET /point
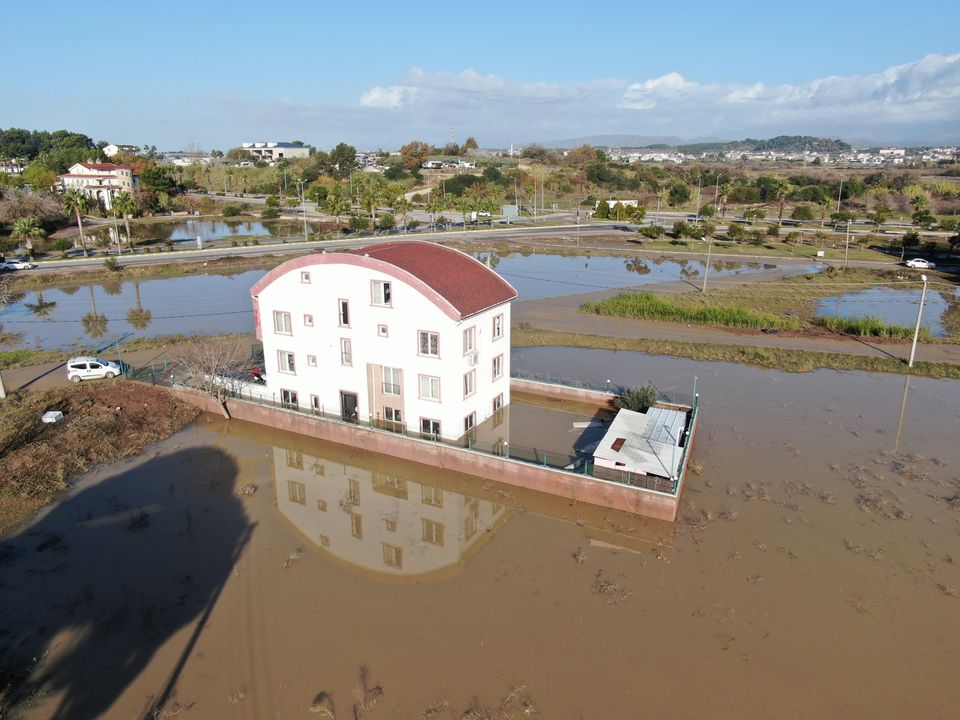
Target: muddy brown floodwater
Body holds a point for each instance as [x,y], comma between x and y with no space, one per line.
[239,572]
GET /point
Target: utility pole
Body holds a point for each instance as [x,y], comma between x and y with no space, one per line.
[699,180]
[303,208]
[846,246]
[706,269]
[716,195]
[916,330]
[840,193]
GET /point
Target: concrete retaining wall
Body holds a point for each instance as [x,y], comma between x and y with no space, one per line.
[581,488]
[563,392]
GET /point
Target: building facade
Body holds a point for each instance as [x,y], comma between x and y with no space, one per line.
[101,182]
[270,152]
[410,336]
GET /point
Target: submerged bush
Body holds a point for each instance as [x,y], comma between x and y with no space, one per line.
[653,307]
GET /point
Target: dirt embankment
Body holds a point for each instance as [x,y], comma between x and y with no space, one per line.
[103,422]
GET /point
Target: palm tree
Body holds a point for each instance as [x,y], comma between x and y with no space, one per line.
[138,317]
[435,204]
[28,230]
[94,324]
[724,191]
[371,196]
[783,188]
[337,203]
[402,206]
[124,204]
[74,201]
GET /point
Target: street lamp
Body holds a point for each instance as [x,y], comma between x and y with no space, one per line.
[303,208]
[840,193]
[716,194]
[916,330]
[706,269]
[846,245]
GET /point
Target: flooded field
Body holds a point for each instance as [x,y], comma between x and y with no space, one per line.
[540,275]
[188,230]
[93,316]
[238,572]
[898,307]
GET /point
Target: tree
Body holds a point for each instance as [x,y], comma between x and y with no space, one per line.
[469,144]
[387,221]
[582,155]
[880,214]
[402,206]
[803,213]
[344,159]
[603,210]
[923,218]
[125,204]
[337,203]
[782,189]
[723,193]
[74,201]
[28,231]
[41,308]
[414,154]
[39,177]
[843,217]
[679,193]
[735,232]
[754,214]
[205,364]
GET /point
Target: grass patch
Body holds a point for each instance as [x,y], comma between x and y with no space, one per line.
[868,326]
[21,358]
[768,357]
[649,306]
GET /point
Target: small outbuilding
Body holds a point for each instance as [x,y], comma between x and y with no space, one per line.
[643,448]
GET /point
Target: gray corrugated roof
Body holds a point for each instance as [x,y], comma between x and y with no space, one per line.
[651,441]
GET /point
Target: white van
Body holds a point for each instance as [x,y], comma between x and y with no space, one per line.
[91,368]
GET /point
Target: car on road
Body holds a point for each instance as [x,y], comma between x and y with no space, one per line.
[920,264]
[87,367]
[17,265]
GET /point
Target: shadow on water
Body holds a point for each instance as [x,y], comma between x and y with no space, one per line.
[98,584]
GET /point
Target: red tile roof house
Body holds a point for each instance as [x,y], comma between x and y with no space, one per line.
[409,335]
[101,182]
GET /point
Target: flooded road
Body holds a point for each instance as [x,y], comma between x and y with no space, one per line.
[814,571]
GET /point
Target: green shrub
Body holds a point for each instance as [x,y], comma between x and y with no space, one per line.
[270,213]
[61,245]
[652,231]
[112,264]
[255,241]
[638,399]
[868,326]
[231,211]
[649,306]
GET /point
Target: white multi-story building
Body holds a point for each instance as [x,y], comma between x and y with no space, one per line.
[408,335]
[100,182]
[272,151]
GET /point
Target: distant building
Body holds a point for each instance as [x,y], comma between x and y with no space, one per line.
[624,203]
[12,167]
[411,336]
[100,181]
[111,150]
[270,152]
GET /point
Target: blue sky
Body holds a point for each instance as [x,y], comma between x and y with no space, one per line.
[378,74]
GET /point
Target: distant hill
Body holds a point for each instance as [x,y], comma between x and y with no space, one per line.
[781,143]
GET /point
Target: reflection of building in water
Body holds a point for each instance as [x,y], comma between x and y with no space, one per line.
[378,521]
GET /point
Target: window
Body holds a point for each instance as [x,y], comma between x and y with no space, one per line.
[469,527]
[469,340]
[356,525]
[429,428]
[498,327]
[304,277]
[346,351]
[294,459]
[288,398]
[312,360]
[393,556]
[429,343]
[344,313]
[297,492]
[498,403]
[381,292]
[315,404]
[469,383]
[324,541]
[391,414]
[382,331]
[390,524]
[285,361]
[391,381]
[354,490]
[281,323]
[429,387]
[432,532]
[497,366]
[308,320]
[322,505]
[319,469]
[469,422]
[432,495]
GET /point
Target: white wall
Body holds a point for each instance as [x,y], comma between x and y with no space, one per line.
[410,312]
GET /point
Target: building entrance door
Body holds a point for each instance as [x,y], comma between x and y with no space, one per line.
[348,406]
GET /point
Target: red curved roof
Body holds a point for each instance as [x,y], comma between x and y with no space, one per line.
[457,283]
[466,283]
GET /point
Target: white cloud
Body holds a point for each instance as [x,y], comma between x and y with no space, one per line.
[921,91]
[395,96]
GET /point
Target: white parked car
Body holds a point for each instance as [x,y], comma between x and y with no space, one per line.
[920,264]
[17,265]
[91,368]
